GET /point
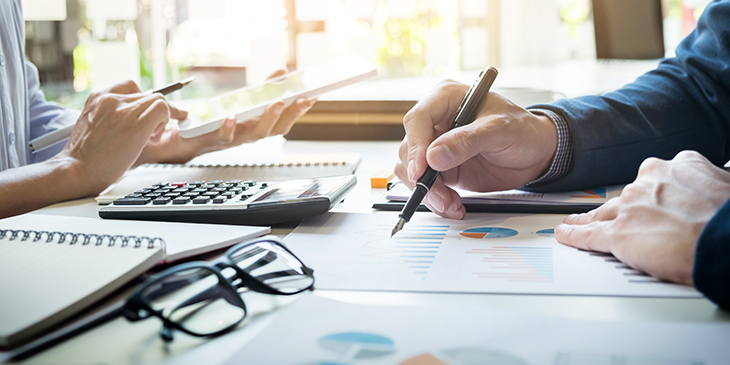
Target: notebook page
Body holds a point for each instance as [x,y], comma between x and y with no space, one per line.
[43,282]
[275,168]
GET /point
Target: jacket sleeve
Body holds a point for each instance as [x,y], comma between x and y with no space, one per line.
[682,105]
[711,270]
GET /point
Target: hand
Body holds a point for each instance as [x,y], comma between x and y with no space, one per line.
[170,147]
[112,130]
[655,223]
[504,148]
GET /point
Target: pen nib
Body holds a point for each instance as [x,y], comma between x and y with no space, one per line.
[398,227]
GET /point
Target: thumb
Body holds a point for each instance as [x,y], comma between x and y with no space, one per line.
[455,147]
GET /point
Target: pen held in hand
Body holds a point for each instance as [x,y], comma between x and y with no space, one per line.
[464,115]
[49,139]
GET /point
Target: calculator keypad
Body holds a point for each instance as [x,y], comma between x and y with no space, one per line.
[196,192]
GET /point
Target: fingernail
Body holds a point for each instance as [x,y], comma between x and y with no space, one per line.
[411,170]
[560,228]
[437,202]
[440,156]
[279,108]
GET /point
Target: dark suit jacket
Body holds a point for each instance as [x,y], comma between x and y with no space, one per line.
[682,105]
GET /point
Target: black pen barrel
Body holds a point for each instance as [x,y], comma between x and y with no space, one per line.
[414,201]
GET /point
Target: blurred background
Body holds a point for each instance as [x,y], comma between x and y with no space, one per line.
[85,45]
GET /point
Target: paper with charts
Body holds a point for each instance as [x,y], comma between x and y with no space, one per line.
[324,331]
[483,253]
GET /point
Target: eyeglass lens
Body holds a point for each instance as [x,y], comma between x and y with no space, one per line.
[274,266]
[196,300]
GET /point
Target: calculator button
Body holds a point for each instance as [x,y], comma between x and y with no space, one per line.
[245,196]
[171,195]
[134,196]
[131,201]
[179,184]
[161,201]
[161,191]
[219,200]
[191,195]
[215,182]
[249,182]
[225,186]
[180,191]
[152,195]
[181,200]
[233,182]
[220,190]
[199,190]
[228,194]
[143,191]
[201,200]
[210,194]
[163,183]
[263,186]
[207,186]
[197,183]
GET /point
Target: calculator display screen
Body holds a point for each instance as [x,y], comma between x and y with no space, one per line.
[300,189]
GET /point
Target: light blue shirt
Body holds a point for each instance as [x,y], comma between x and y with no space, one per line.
[24,112]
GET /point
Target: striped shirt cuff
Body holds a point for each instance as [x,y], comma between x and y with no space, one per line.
[563,156]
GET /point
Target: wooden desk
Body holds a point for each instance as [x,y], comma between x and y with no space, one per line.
[121,342]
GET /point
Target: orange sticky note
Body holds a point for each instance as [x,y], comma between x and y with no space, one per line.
[381,178]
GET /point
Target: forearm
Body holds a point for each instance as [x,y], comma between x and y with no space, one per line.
[30,187]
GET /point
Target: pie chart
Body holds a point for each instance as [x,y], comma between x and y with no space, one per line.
[549,233]
[488,232]
[357,345]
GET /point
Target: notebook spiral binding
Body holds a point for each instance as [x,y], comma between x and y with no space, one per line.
[270,164]
[73,238]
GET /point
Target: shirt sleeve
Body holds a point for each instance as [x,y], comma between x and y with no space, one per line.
[44,116]
[563,155]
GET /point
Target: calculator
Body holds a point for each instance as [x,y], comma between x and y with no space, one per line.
[247,202]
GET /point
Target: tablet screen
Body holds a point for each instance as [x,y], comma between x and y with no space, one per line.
[247,98]
[251,101]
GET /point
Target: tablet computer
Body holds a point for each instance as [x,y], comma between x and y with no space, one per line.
[250,102]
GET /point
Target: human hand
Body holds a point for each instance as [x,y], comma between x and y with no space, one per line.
[504,148]
[170,147]
[655,223]
[108,137]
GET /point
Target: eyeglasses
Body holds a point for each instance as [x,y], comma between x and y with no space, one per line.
[203,299]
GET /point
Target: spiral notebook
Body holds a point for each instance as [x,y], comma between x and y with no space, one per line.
[272,168]
[52,267]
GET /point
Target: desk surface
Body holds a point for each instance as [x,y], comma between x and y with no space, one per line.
[121,342]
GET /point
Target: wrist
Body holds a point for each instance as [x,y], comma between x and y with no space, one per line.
[71,179]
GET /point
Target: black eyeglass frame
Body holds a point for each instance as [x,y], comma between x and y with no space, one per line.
[137,308]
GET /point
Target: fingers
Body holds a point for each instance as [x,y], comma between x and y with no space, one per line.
[290,115]
[606,212]
[125,87]
[444,201]
[277,73]
[154,112]
[176,113]
[430,115]
[227,131]
[594,236]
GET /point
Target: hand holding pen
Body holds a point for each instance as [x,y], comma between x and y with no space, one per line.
[504,148]
[465,114]
[40,143]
